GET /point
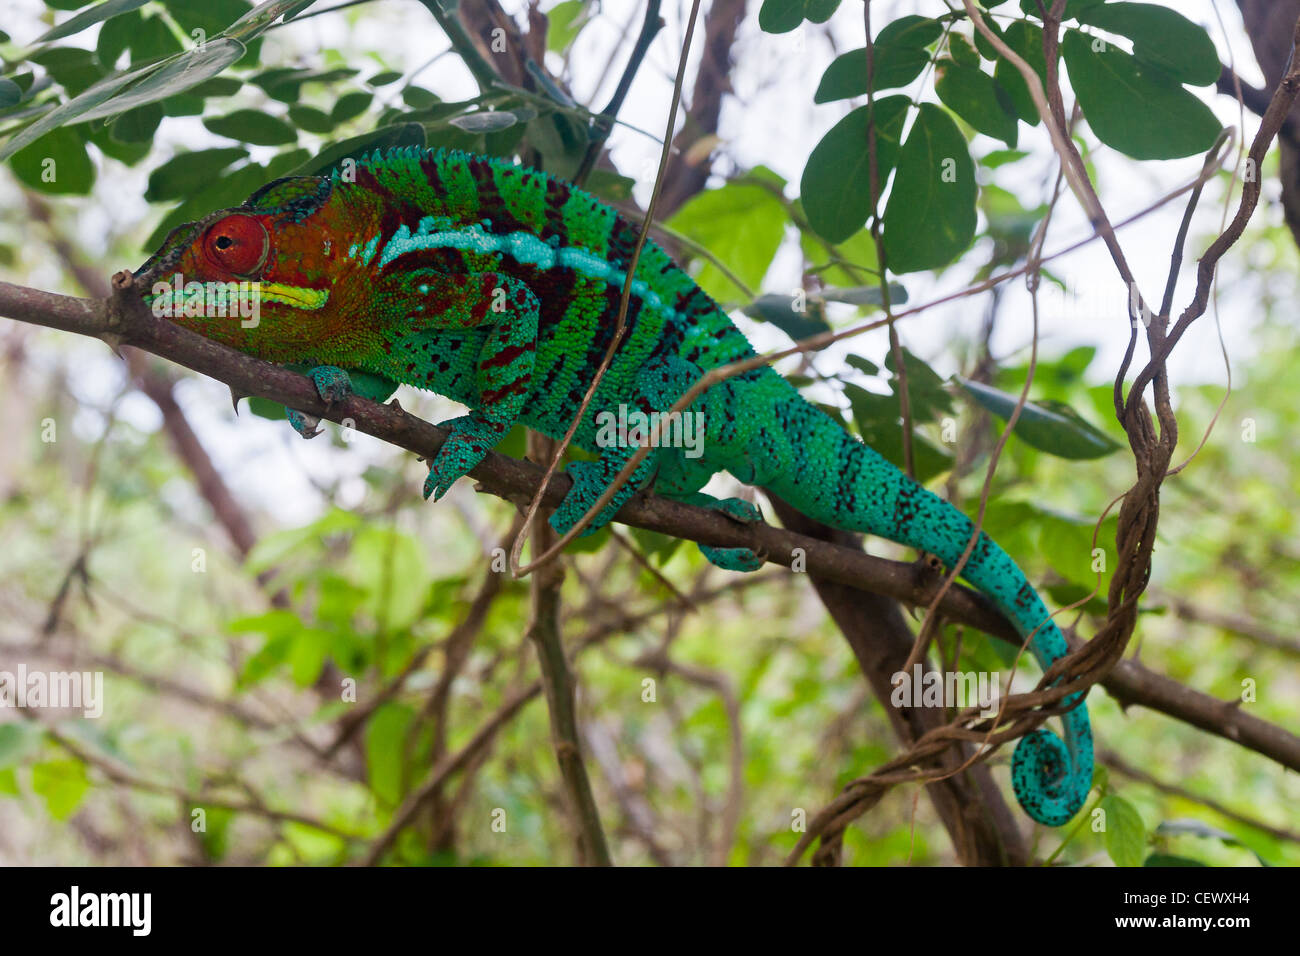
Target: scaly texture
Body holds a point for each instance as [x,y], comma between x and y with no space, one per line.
[499,287]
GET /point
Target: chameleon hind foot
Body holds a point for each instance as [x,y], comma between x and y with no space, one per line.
[741,511]
[737,509]
[590,479]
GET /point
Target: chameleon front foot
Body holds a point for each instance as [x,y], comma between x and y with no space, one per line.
[732,559]
[332,383]
[470,440]
[308,426]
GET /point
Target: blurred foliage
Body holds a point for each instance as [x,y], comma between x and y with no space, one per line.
[231,684]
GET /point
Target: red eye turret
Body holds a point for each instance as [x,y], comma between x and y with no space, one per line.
[237,244]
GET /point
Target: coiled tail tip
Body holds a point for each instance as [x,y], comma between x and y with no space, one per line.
[1046,781]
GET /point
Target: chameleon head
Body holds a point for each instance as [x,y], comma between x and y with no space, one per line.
[257,277]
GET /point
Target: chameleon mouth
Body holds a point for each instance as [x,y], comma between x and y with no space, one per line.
[245,294]
[300,297]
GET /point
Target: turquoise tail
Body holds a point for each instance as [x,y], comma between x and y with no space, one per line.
[836,479]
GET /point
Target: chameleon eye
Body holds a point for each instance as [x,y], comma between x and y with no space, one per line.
[237,244]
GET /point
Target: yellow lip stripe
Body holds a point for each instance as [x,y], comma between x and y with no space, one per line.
[297,296]
[246,293]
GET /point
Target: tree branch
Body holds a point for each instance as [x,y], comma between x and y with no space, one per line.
[517,481]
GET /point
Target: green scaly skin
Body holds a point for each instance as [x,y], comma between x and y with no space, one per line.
[499,287]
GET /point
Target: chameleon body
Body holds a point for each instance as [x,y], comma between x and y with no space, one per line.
[499,287]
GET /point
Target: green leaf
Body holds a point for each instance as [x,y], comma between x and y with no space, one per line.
[864,365]
[1126,835]
[564,22]
[10,93]
[927,397]
[386,734]
[210,16]
[183,104]
[96,14]
[350,105]
[175,76]
[1133,107]
[152,40]
[484,121]
[898,55]
[849,263]
[930,217]
[741,224]
[261,17]
[1167,859]
[655,545]
[867,295]
[836,185]
[384,78]
[1162,38]
[253,126]
[1001,157]
[263,663]
[978,99]
[137,125]
[609,185]
[1202,829]
[418,98]
[1049,426]
[780,310]
[115,38]
[126,153]
[56,163]
[394,571]
[782,16]
[1026,40]
[307,656]
[61,784]
[74,69]
[218,86]
[1073,8]
[186,173]
[285,83]
[215,836]
[310,119]
[274,623]
[1067,593]
[284,163]
[879,421]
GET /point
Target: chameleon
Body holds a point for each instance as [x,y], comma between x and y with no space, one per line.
[499,286]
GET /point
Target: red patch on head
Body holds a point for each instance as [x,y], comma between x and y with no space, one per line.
[237,244]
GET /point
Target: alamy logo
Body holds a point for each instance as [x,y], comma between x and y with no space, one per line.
[73,689]
[103,909]
[923,688]
[181,299]
[632,428]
